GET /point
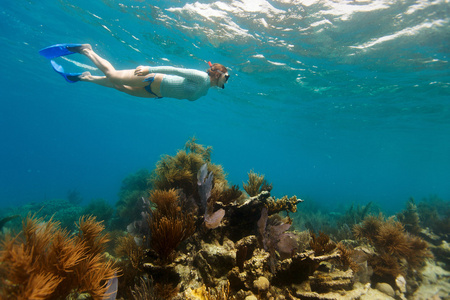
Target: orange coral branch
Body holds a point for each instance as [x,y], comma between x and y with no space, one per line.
[44,263]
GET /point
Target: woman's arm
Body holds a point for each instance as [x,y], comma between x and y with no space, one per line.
[191,74]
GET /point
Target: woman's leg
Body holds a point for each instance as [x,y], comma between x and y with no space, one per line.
[123,77]
[100,80]
[134,91]
[104,81]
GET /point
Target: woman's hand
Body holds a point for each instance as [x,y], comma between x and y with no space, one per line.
[141,71]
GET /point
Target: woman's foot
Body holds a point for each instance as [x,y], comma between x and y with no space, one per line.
[82,77]
[80,49]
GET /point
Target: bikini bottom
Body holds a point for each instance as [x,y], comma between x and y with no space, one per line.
[148,88]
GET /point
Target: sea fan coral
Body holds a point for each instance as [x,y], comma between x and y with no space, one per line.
[204,181]
[43,262]
[140,229]
[273,238]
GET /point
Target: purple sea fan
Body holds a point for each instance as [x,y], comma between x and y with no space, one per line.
[204,181]
[288,243]
[204,184]
[213,220]
[140,229]
[273,234]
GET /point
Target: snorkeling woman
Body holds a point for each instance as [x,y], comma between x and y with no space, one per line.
[144,81]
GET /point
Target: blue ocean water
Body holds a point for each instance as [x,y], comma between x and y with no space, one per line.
[334,101]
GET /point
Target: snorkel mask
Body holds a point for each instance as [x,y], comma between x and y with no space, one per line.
[220,72]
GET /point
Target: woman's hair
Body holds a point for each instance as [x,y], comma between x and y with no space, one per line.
[216,67]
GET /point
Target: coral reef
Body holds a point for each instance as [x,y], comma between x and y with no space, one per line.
[207,236]
[182,232]
[45,262]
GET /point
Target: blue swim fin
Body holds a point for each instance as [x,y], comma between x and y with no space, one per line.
[57,50]
[69,77]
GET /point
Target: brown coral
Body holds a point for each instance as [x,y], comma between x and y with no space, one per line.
[44,263]
[146,289]
[256,184]
[368,228]
[166,202]
[169,225]
[321,244]
[127,247]
[391,238]
[180,171]
[168,233]
[225,195]
[131,262]
[384,264]
[393,244]
[346,257]
[143,290]
[419,251]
